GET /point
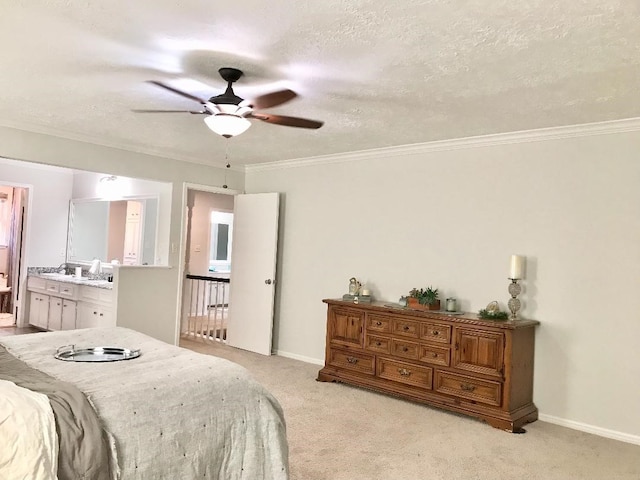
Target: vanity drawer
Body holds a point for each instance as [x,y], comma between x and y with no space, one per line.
[67,290]
[52,288]
[95,294]
[378,344]
[481,391]
[435,332]
[378,323]
[435,355]
[360,362]
[406,373]
[406,328]
[36,283]
[404,348]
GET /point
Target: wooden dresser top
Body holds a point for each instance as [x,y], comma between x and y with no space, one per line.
[466,318]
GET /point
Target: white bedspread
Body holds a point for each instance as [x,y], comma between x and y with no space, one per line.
[174,414]
[28,440]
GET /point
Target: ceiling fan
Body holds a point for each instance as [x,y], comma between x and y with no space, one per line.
[228,114]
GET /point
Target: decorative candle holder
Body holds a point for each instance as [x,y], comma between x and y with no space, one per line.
[514,303]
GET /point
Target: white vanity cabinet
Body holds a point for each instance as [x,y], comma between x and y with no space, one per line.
[60,305]
[95,308]
[39,310]
[62,314]
[131,254]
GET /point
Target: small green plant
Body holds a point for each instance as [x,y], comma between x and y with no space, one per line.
[492,315]
[425,296]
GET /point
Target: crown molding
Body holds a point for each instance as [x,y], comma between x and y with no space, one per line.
[35,165]
[524,136]
[128,147]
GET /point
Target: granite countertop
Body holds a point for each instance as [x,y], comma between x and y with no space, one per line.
[59,277]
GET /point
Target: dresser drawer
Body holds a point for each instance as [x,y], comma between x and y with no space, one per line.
[406,328]
[378,344]
[378,323]
[359,362]
[406,373]
[405,348]
[435,332]
[482,391]
[435,355]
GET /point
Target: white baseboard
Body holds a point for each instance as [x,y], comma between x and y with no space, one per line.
[302,358]
[583,427]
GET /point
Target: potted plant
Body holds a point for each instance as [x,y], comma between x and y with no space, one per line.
[423,299]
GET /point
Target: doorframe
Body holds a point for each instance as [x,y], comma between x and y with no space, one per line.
[182,250]
[21,319]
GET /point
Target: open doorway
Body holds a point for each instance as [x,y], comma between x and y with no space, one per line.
[13,201]
[207,265]
[252,272]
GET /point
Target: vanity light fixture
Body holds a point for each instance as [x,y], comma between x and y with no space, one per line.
[108,187]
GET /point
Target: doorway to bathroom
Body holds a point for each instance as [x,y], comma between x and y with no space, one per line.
[13,203]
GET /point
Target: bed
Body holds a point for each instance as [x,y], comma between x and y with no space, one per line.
[168,414]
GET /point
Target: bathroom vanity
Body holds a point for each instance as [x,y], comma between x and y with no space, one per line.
[65,302]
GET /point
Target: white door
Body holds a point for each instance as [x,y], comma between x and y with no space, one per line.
[253,272]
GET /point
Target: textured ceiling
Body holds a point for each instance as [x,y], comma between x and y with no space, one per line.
[378,73]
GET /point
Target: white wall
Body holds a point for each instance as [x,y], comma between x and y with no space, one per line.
[452,219]
[50,191]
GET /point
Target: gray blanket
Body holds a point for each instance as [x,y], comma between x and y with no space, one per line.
[172,414]
[84,450]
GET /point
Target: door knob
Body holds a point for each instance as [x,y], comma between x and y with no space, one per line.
[268,281]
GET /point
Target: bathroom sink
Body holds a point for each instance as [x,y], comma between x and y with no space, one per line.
[62,276]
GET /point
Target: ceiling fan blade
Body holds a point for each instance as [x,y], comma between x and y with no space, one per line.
[272,99]
[194,112]
[287,121]
[179,92]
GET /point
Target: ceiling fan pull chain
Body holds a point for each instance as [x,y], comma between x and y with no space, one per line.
[226,159]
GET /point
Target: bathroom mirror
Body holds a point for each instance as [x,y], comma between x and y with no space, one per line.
[124,230]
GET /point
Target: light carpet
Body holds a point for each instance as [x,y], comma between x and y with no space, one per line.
[338,432]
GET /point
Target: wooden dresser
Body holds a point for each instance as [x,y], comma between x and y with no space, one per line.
[481,368]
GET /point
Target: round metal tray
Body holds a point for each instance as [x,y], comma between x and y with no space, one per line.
[69,353]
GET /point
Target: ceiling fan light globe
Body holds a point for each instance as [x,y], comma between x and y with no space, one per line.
[226,124]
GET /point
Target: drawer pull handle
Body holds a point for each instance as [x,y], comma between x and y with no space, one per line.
[379,324]
[406,328]
[378,344]
[435,333]
[352,360]
[434,355]
[404,372]
[467,387]
[405,349]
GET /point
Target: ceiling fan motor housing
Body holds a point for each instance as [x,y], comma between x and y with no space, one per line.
[229,75]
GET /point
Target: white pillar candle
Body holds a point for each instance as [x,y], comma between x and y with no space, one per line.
[516,269]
